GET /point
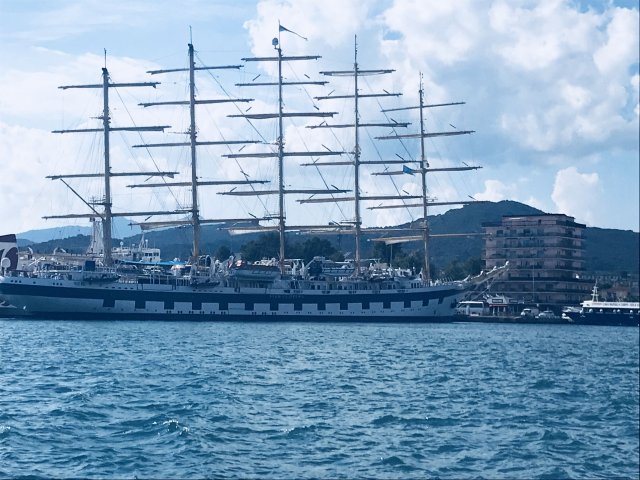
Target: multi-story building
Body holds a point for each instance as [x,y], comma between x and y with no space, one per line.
[546,258]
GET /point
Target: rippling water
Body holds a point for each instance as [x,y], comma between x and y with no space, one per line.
[282,400]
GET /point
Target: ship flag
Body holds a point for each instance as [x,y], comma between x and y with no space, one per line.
[284,29]
[408,170]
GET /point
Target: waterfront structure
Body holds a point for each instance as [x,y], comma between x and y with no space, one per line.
[546,255]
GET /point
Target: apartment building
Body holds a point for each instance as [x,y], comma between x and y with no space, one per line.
[546,258]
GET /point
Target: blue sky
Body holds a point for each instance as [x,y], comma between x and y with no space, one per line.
[551,90]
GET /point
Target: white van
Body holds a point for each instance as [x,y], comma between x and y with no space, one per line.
[470,308]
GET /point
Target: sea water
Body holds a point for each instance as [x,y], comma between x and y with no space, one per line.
[310,400]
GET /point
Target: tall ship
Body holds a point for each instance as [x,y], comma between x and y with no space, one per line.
[600,312]
[206,288]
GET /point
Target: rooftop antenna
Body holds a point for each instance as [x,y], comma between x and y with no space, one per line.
[190,35]
[105,58]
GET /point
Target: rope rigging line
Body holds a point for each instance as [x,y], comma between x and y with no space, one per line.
[324,181]
[380,156]
[153,160]
[213,77]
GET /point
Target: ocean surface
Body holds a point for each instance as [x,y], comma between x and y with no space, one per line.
[296,400]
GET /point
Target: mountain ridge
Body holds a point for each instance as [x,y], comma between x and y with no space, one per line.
[41,235]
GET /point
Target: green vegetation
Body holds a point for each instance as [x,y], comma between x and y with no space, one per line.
[609,250]
[268,246]
[460,269]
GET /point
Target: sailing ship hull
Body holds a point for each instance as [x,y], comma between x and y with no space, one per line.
[67,299]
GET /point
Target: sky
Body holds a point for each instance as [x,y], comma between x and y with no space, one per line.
[551,90]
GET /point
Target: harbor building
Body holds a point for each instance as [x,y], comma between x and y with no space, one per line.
[546,256]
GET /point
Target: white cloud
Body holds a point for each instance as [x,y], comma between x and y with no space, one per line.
[496,191]
[45,102]
[573,97]
[635,86]
[536,203]
[444,32]
[577,96]
[577,194]
[538,36]
[621,47]
[26,195]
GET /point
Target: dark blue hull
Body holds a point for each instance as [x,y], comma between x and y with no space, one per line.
[610,319]
[241,318]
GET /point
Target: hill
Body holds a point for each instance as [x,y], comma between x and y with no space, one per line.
[606,249]
[60,233]
[610,250]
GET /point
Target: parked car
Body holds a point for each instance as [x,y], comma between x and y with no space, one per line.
[546,315]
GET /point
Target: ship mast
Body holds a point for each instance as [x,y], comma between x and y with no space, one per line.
[106,227]
[423,178]
[195,217]
[193,144]
[356,73]
[107,214]
[282,227]
[423,170]
[356,157]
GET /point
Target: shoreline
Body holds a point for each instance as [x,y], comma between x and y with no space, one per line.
[20,315]
[509,319]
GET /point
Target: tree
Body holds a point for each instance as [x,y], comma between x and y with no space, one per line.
[387,253]
[413,261]
[223,252]
[316,247]
[266,246]
[457,270]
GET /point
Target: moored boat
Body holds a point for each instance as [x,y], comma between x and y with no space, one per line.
[597,312]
